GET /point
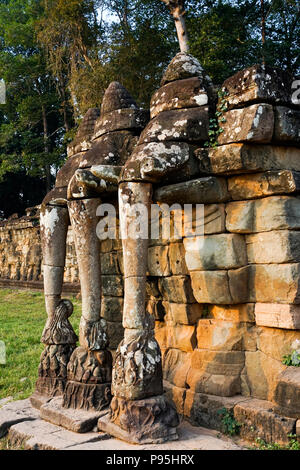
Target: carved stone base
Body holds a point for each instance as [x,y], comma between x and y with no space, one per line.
[79,421]
[90,366]
[37,400]
[53,371]
[50,386]
[89,397]
[45,389]
[149,421]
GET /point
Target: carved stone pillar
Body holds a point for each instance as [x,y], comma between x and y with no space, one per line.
[60,341]
[58,335]
[54,223]
[90,366]
[139,411]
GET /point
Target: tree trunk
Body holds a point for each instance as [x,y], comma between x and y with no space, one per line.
[263,30]
[176,8]
[181,30]
[62,93]
[46,148]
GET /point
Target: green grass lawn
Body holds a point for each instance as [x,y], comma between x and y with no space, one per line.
[22,319]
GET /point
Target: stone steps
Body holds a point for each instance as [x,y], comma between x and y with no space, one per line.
[27,430]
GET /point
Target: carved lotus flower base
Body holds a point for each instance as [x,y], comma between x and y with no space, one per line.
[52,373]
[47,388]
[89,380]
[86,396]
[50,386]
[148,421]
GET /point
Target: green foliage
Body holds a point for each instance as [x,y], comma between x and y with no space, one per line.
[292,359]
[21,191]
[215,128]
[293,444]
[230,425]
[31,121]
[226,35]
[5,444]
[221,39]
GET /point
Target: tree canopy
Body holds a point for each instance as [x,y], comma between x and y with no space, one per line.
[57,57]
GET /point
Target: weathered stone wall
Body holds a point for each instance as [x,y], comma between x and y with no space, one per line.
[20,249]
[21,253]
[244,271]
[226,303]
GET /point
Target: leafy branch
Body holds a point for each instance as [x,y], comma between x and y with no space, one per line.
[215,128]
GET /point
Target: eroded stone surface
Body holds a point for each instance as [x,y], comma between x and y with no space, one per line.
[252,124]
[176,289]
[221,286]
[40,435]
[89,380]
[263,184]
[263,215]
[180,94]
[260,376]
[121,119]
[275,342]
[116,97]
[87,396]
[278,315]
[16,412]
[176,365]
[287,395]
[213,384]
[217,335]
[205,190]
[158,261]
[154,160]
[190,437]
[181,337]
[287,125]
[204,410]
[189,124]
[75,420]
[259,83]
[245,158]
[53,369]
[84,134]
[148,421]
[177,259]
[215,372]
[234,313]
[258,419]
[60,341]
[184,314]
[183,66]
[277,246]
[274,283]
[137,371]
[224,251]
